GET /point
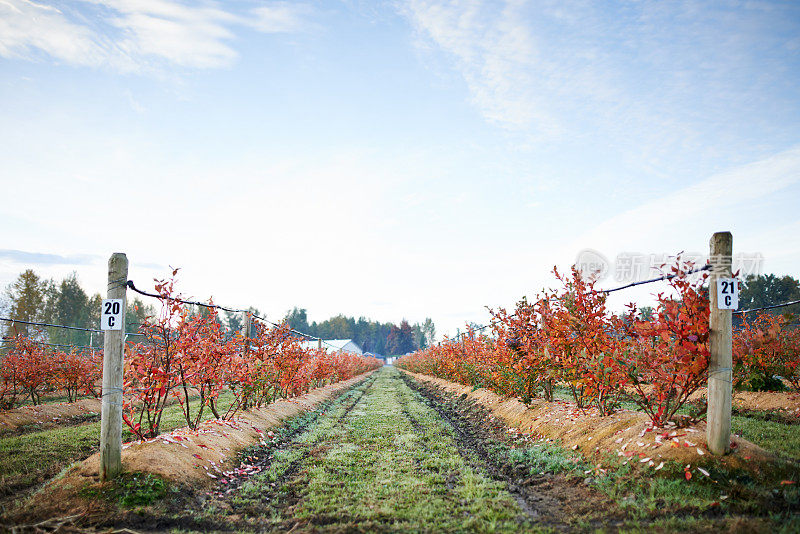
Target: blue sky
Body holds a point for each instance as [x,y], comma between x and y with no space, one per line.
[392,159]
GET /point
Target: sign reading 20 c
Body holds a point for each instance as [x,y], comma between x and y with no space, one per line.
[111,314]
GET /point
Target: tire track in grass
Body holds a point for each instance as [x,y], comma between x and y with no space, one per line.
[262,455]
[478,458]
[560,502]
[384,463]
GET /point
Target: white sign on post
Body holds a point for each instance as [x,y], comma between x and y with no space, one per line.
[111,314]
[727,293]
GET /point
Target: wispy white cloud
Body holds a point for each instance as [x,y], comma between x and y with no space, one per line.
[28,29]
[492,49]
[649,75]
[134,35]
[517,75]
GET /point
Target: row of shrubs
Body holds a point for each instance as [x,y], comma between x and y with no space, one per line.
[29,369]
[568,337]
[184,356]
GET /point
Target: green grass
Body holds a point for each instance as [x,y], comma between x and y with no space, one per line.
[642,494]
[774,436]
[412,478]
[544,458]
[48,398]
[33,458]
[773,524]
[647,494]
[132,490]
[390,463]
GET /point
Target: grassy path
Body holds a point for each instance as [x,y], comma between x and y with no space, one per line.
[377,459]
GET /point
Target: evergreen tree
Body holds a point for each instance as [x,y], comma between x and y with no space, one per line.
[71,309]
[372,336]
[26,301]
[768,290]
[298,319]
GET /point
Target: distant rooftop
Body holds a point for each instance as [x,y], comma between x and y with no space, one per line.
[335,345]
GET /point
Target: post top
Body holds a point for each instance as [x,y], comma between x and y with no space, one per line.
[118,257]
[720,242]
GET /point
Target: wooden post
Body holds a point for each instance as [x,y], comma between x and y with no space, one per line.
[113,353]
[720,366]
[246,331]
[319,343]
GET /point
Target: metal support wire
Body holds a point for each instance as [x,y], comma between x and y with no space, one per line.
[659,279]
[774,306]
[48,324]
[133,287]
[53,344]
[632,284]
[33,323]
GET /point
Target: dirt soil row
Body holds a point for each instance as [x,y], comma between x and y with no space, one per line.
[783,401]
[43,416]
[627,434]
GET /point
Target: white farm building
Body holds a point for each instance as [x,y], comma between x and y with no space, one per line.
[335,345]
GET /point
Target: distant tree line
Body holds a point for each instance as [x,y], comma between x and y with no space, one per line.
[768,290]
[35,299]
[64,302]
[387,339]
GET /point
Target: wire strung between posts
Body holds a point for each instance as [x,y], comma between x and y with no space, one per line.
[774,306]
[659,279]
[292,330]
[47,324]
[53,344]
[58,326]
[476,329]
[133,287]
[632,284]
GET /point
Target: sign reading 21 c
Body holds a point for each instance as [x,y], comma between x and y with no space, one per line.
[111,314]
[727,293]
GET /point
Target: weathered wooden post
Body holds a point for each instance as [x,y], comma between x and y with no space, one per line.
[112,322]
[248,318]
[548,384]
[720,366]
[319,343]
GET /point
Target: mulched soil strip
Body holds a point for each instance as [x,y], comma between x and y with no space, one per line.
[547,498]
[58,422]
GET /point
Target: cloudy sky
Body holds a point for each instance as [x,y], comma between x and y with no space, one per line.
[399,158]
